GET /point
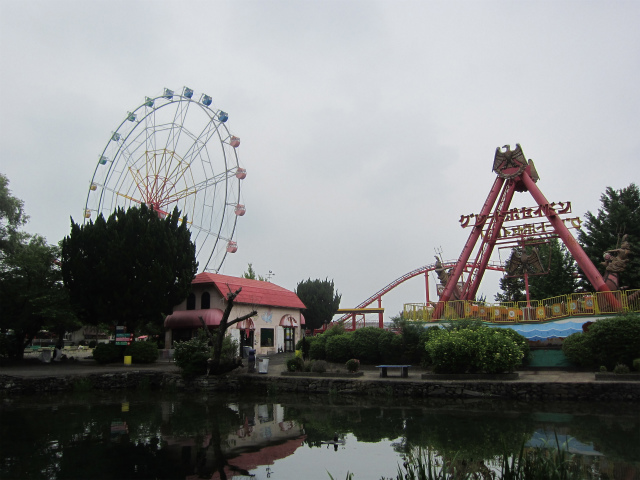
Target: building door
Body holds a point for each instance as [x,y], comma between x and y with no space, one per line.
[289,339]
[245,341]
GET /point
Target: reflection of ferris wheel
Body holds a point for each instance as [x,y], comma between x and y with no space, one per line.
[175,151]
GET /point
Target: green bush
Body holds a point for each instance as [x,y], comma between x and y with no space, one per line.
[295,364]
[520,340]
[412,344]
[364,344]
[92,344]
[317,347]
[191,355]
[425,336]
[352,365]
[608,342]
[109,353]
[452,351]
[390,347]
[621,368]
[497,352]
[636,364]
[303,346]
[615,340]
[142,352]
[473,350]
[575,347]
[319,366]
[230,349]
[338,348]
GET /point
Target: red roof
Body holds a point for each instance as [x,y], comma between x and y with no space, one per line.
[191,318]
[254,292]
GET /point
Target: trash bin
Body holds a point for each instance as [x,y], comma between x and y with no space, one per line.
[263,365]
[245,351]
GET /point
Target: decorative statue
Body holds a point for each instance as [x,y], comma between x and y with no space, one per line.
[615,261]
[522,262]
[443,275]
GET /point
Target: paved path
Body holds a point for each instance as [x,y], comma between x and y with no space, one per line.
[277,364]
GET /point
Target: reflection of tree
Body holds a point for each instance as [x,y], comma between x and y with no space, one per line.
[605,433]
[478,434]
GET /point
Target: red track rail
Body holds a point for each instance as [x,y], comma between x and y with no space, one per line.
[407,276]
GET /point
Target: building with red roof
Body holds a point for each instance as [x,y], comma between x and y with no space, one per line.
[277,327]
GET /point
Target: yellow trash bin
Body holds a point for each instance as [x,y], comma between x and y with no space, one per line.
[127,360]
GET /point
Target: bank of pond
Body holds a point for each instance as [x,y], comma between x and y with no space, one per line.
[187,435]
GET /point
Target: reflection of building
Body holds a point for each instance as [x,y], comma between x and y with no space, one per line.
[262,438]
[276,327]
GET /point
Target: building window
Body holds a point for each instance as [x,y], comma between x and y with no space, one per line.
[205,301]
[191,301]
[266,337]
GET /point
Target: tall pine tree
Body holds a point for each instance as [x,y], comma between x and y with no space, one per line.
[619,215]
[320,300]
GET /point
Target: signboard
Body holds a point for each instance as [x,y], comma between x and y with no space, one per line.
[124,338]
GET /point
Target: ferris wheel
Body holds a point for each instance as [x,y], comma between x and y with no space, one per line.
[175,150]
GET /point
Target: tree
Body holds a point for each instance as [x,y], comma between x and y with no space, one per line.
[251,274]
[32,296]
[561,279]
[320,300]
[558,280]
[12,217]
[513,290]
[129,269]
[215,366]
[619,215]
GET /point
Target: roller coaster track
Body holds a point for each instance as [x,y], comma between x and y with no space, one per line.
[413,273]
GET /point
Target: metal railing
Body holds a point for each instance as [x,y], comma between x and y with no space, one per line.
[562,306]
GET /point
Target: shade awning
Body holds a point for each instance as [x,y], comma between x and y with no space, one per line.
[246,325]
[302,320]
[190,318]
[288,321]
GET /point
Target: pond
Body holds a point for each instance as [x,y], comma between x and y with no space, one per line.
[148,435]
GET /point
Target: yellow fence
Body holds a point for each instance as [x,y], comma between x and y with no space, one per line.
[576,304]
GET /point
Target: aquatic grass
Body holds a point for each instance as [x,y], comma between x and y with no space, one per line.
[545,462]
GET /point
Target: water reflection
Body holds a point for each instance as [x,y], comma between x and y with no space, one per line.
[144,435]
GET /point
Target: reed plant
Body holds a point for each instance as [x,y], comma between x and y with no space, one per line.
[545,462]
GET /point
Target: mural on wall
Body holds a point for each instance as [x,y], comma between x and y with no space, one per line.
[267,316]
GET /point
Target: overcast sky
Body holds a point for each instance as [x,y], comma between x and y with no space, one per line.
[367,127]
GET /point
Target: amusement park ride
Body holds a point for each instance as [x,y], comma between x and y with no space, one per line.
[175,150]
[500,224]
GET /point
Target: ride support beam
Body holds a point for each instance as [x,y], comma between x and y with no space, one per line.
[584,262]
[488,242]
[469,246]
[426,285]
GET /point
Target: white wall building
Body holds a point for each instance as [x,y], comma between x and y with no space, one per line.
[277,327]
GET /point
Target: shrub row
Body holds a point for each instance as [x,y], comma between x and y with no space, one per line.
[607,343]
[140,352]
[460,347]
[371,345]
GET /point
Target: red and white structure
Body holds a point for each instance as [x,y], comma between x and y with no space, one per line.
[277,327]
